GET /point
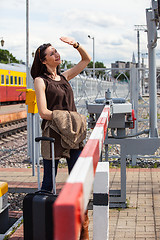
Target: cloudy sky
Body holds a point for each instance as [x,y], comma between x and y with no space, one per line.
[110,22]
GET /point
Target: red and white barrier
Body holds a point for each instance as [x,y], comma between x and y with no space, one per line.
[70,206]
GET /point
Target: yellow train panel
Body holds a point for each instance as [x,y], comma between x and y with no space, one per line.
[14,78]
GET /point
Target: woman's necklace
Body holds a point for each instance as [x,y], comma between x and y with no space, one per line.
[54,77]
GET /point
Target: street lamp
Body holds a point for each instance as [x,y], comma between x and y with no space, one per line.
[33,54]
[93,56]
[2,42]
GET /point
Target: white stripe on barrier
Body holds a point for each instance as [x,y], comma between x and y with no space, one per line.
[83,173]
[104,114]
[98,133]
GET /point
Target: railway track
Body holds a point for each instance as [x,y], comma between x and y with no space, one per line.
[10,128]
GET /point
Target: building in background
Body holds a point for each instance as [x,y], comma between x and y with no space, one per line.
[120,66]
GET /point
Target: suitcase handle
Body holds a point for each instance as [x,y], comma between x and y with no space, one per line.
[51,140]
[45,192]
[37,139]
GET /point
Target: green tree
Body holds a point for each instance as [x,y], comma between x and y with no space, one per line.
[123,77]
[97,65]
[7,57]
[66,64]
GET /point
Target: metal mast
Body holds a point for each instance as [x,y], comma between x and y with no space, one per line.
[139,28]
[152,24]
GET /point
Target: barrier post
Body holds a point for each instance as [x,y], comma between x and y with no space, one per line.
[101,202]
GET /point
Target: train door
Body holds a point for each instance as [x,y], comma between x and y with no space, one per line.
[7,88]
[2,89]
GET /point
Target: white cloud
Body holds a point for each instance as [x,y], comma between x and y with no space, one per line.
[92,19]
[110,22]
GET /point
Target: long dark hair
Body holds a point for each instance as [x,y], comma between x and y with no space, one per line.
[38,68]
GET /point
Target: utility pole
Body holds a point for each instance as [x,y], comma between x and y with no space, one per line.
[29,139]
[27,42]
[139,28]
[152,17]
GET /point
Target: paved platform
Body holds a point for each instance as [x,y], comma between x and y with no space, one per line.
[141,220]
[12,112]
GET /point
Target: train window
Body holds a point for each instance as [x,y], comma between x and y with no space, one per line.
[19,80]
[15,80]
[11,79]
[7,79]
[2,79]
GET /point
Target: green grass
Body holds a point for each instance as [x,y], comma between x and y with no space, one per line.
[13,231]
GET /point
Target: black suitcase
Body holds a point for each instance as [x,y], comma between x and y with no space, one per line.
[38,208]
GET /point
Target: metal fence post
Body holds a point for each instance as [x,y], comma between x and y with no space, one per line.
[134,95]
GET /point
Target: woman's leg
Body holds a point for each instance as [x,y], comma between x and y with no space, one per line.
[84,230]
[47,183]
[74,155]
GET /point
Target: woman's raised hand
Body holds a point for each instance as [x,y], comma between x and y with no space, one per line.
[68,40]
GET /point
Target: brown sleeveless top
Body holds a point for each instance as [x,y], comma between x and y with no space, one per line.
[59,95]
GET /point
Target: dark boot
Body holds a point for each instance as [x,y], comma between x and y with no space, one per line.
[84,230]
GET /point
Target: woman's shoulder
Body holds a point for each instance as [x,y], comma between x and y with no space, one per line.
[39,81]
[63,77]
[42,78]
[39,78]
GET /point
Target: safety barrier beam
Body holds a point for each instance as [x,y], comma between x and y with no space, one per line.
[70,206]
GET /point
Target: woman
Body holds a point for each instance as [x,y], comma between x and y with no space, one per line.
[53,92]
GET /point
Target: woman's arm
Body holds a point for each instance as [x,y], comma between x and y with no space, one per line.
[85,59]
[39,86]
